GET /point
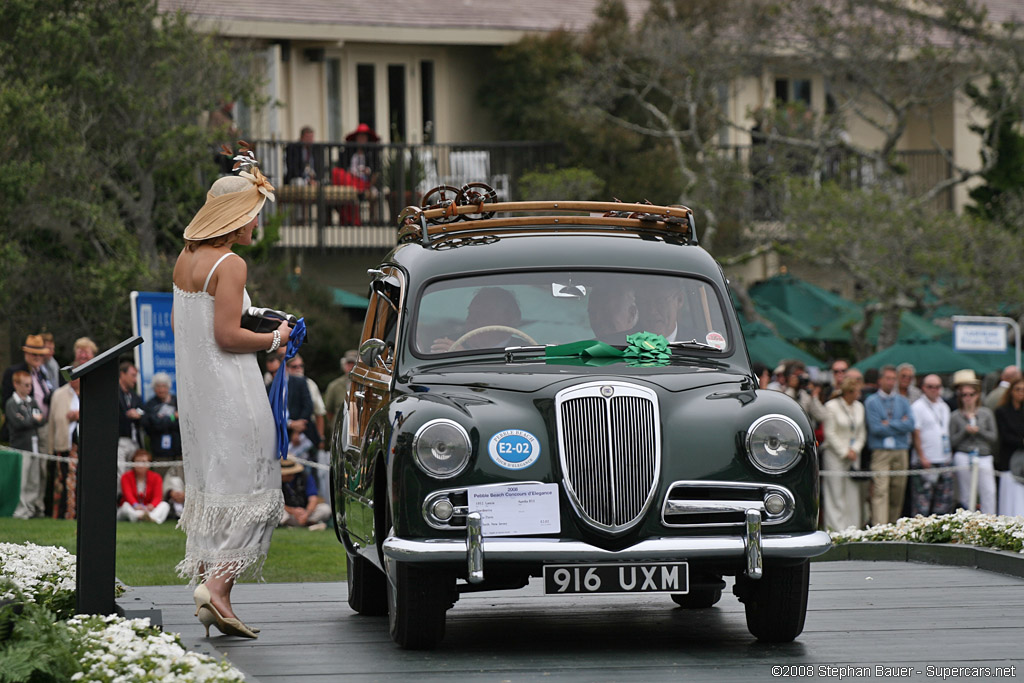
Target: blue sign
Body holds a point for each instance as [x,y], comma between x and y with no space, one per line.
[151,320]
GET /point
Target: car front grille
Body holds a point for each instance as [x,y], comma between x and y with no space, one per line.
[610,446]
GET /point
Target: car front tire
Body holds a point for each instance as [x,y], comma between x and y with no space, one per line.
[776,604]
[418,599]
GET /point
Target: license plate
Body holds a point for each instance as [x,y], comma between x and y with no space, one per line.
[659,577]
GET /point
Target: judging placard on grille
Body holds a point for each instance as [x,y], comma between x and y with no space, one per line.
[516,509]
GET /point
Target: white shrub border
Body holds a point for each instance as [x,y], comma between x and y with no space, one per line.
[110,648]
[37,569]
[968,528]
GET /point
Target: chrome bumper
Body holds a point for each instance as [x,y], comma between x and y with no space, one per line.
[554,550]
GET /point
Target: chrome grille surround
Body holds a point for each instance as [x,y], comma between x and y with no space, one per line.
[689,504]
[609,442]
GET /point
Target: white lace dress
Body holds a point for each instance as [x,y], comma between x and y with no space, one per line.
[233,496]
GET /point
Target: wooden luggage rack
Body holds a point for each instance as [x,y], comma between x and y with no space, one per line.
[470,212]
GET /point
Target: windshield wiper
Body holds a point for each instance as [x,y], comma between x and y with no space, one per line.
[510,351]
[693,344]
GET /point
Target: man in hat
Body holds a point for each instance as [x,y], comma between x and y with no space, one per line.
[303,505]
[337,390]
[33,470]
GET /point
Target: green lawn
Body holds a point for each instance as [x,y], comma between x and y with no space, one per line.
[147,553]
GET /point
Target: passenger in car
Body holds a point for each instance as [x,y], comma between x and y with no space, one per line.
[659,309]
[490,306]
[612,312]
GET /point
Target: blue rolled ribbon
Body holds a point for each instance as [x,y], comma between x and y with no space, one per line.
[279,388]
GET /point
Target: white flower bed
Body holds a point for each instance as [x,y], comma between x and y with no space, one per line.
[37,570]
[969,528]
[115,649]
[106,648]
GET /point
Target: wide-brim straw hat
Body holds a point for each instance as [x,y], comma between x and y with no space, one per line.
[232,202]
[291,466]
[363,128]
[967,376]
[34,344]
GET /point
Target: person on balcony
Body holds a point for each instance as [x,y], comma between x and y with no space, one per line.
[301,165]
[360,172]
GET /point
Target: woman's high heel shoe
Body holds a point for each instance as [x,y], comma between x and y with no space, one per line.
[209,615]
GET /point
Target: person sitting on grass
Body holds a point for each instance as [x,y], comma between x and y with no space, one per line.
[302,504]
[142,492]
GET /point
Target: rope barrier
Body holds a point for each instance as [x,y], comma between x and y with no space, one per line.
[855,474]
[155,463]
[863,474]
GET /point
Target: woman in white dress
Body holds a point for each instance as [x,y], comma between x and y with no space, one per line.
[233,495]
[845,434]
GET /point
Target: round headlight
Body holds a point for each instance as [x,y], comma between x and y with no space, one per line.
[442,448]
[774,443]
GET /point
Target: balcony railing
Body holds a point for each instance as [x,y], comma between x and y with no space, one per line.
[346,195]
[923,169]
[343,195]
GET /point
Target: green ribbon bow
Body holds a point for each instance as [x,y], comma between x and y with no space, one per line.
[643,349]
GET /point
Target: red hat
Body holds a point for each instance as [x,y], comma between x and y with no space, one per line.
[363,128]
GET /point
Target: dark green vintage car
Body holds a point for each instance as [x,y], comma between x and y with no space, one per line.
[481,445]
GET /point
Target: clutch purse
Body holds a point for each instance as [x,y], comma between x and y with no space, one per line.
[266,319]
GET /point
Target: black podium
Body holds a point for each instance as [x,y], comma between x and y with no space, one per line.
[97,479]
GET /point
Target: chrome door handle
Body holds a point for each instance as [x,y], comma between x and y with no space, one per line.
[360,394]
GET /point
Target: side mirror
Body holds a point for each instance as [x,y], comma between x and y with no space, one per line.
[371,350]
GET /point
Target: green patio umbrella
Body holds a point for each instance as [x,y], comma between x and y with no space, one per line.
[764,346]
[347,299]
[808,304]
[912,326]
[926,355]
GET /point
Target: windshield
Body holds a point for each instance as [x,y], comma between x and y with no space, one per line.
[493,312]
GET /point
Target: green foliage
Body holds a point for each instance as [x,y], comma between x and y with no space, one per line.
[39,648]
[102,155]
[580,184]
[901,254]
[1000,198]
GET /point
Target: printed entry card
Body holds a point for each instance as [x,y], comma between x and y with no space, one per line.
[516,509]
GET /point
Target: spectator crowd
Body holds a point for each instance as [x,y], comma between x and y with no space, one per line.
[40,423]
[892,446]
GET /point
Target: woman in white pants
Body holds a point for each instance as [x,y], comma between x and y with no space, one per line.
[845,434]
[972,433]
[142,492]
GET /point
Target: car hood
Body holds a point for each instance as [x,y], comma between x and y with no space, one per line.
[531,376]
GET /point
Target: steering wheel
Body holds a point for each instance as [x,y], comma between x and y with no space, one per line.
[457,345]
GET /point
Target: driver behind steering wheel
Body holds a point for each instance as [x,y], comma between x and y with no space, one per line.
[490,306]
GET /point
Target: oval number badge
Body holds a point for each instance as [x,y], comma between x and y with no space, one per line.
[514,449]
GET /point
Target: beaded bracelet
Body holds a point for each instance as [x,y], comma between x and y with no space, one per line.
[277,342]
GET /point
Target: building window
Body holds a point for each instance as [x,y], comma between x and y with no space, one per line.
[396,103]
[366,93]
[427,100]
[333,70]
[793,90]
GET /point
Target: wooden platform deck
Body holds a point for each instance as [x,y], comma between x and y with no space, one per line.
[861,614]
